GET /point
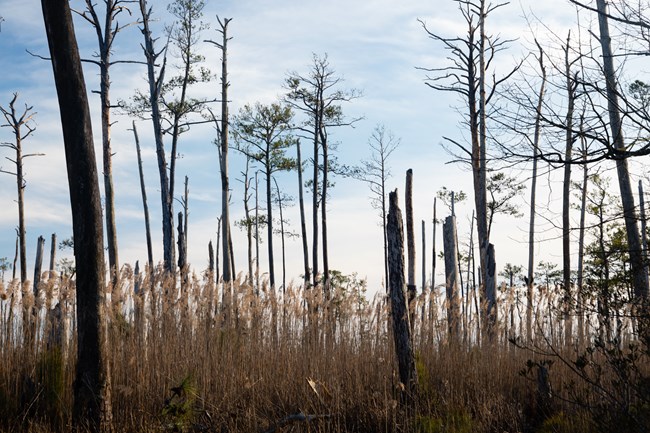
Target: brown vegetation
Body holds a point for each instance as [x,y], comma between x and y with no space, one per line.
[264,363]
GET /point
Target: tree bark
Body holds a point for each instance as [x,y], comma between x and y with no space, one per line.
[639,280]
[399,310]
[92,390]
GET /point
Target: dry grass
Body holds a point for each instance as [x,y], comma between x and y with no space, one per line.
[199,359]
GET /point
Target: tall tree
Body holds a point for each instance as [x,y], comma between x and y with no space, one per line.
[375,171]
[222,126]
[184,36]
[21,127]
[303,222]
[571,87]
[92,390]
[640,282]
[155,77]
[145,206]
[265,128]
[317,96]
[533,196]
[106,30]
[471,57]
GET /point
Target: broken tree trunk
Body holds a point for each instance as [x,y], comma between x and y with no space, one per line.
[399,311]
[38,265]
[449,238]
[410,240]
[52,255]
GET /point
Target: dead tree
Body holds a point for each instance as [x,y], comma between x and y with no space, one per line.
[145,206]
[92,390]
[222,126]
[451,276]
[571,87]
[52,255]
[410,243]
[399,308]
[16,122]
[471,55]
[375,171]
[106,31]
[38,264]
[156,81]
[533,196]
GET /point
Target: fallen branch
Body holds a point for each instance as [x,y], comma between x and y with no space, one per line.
[296,417]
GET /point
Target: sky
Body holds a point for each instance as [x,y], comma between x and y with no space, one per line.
[374,45]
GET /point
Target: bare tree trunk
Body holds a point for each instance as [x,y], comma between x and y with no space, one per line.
[144,200]
[182,256]
[324,145]
[410,243]
[315,188]
[217,275]
[13,273]
[284,263]
[480,177]
[433,248]
[581,247]
[249,223]
[38,264]
[399,310]
[186,211]
[154,101]
[107,154]
[644,235]
[52,255]
[257,238]
[228,275]
[491,295]
[424,257]
[269,226]
[640,282]
[533,196]
[566,197]
[470,272]
[303,225]
[451,276]
[92,390]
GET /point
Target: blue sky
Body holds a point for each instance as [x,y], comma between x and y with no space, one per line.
[374,44]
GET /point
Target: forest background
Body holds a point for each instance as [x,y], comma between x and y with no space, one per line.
[375,46]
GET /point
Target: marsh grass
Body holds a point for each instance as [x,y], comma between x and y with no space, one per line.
[202,358]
